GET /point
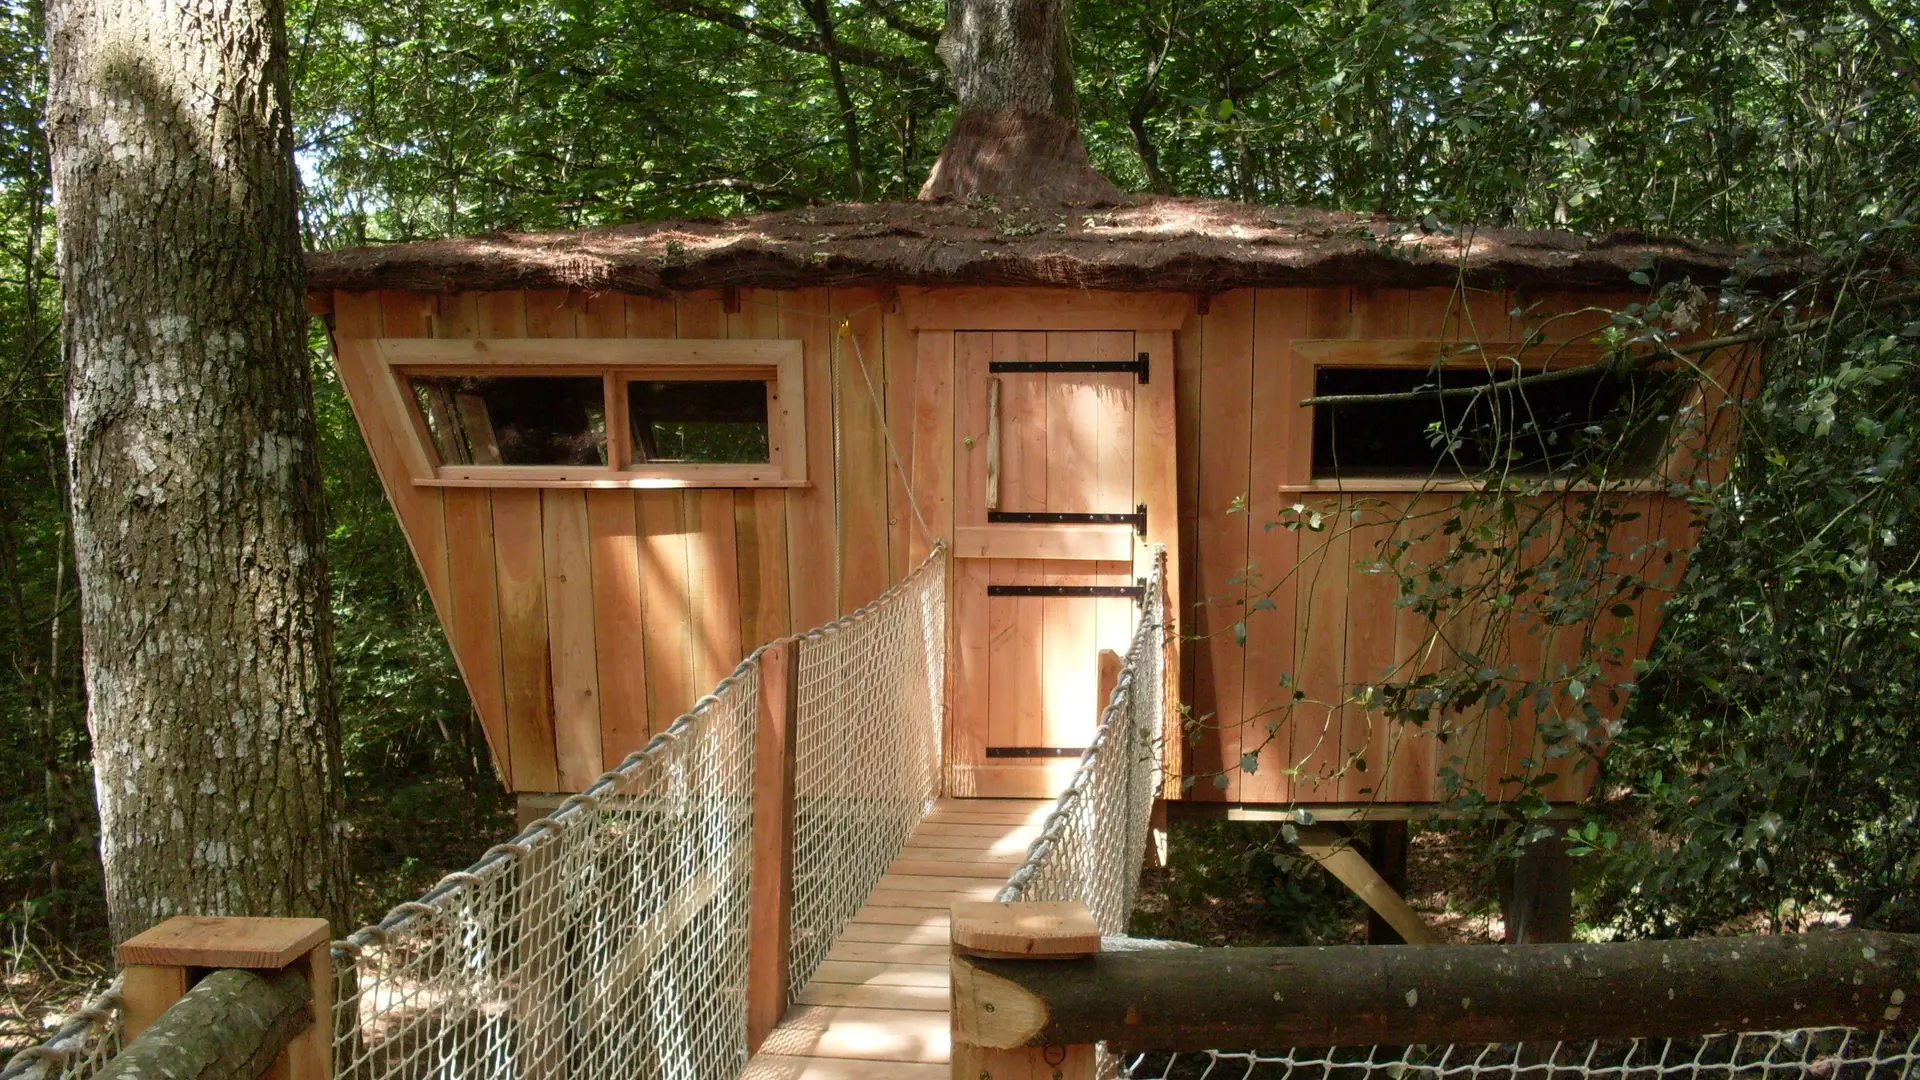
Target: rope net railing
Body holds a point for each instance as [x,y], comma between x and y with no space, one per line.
[1093,843]
[606,940]
[1810,1053]
[83,1042]
[867,733]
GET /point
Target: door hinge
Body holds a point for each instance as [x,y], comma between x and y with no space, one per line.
[1136,367]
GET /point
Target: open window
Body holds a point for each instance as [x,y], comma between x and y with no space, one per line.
[604,412]
[1563,427]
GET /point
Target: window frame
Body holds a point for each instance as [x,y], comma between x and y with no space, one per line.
[1312,354]
[616,361]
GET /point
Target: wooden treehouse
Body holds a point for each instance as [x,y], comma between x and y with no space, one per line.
[625,457]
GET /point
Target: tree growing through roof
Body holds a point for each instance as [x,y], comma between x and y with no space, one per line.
[199,529]
[1017,132]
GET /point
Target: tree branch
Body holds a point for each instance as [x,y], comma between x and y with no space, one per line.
[899,23]
[898,66]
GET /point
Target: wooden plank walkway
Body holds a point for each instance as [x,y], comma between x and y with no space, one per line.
[877,1007]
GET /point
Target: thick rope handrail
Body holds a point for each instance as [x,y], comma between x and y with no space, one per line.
[1092,842]
[80,1035]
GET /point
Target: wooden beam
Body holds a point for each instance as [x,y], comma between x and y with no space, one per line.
[1362,995]
[985,1033]
[986,308]
[643,352]
[1337,857]
[162,960]
[234,1024]
[770,904]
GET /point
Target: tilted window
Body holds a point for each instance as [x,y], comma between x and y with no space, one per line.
[1553,428]
[604,412]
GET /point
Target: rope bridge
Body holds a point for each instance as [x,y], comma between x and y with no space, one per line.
[617,938]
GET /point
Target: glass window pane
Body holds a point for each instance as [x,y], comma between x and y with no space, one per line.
[1551,428]
[681,421]
[514,419]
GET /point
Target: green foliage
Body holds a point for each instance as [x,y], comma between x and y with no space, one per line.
[1770,768]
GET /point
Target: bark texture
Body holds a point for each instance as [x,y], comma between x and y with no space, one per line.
[1191,999]
[230,1026]
[1017,133]
[199,525]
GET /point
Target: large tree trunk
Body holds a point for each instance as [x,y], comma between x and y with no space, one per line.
[1017,133]
[199,525]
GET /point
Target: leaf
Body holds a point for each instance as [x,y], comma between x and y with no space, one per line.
[1250,763]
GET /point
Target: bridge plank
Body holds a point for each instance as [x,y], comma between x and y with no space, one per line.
[916,898]
[888,952]
[995,831]
[871,974]
[835,1031]
[783,1067]
[911,934]
[996,869]
[924,998]
[902,917]
[935,883]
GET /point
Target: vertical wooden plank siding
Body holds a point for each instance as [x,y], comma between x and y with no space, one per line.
[1273,552]
[1188,371]
[859,413]
[1225,449]
[760,516]
[520,582]
[712,570]
[814,577]
[713,586]
[573,662]
[933,443]
[663,574]
[901,365]
[619,622]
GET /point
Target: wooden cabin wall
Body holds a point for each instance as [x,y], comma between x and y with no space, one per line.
[585,621]
[1244,453]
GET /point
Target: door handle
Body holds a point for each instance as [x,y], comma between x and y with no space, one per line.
[993,444]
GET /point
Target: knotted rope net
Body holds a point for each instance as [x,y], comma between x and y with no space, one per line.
[1810,1053]
[1092,844]
[607,940]
[867,736]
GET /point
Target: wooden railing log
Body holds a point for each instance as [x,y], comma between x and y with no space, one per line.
[1193,999]
[232,1025]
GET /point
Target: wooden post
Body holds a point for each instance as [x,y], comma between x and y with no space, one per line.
[160,965]
[988,1036]
[1387,854]
[1538,903]
[770,906]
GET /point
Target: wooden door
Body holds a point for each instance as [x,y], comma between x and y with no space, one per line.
[1046,520]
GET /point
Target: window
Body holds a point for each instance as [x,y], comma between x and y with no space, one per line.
[514,419]
[603,412]
[1551,428]
[708,422]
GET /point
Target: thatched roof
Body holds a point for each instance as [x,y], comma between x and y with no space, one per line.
[1167,244]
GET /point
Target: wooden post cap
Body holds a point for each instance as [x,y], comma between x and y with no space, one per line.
[1045,930]
[223,942]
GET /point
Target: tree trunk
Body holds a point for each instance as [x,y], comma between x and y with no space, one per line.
[1017,134]
[198,520]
